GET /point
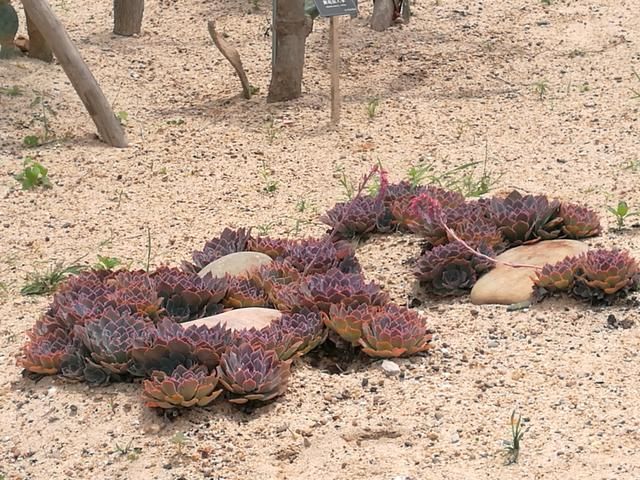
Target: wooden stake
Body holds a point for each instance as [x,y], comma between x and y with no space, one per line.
[334,43]
[79,74]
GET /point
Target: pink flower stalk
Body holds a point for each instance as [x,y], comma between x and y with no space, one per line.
[430,210]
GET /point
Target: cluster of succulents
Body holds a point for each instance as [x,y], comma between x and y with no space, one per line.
[597,276]
[108,326]
[104,326]
[490,225]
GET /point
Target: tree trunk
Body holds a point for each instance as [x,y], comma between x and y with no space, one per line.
[38,46]
[127,17]
[382,17]
[290,29]
[231,54]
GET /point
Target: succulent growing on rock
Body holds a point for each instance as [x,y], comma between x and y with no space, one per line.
[244,293]
[451,269]
[394,331]
[251,373]
[319,292]
[525,219]
[556,277]
[579,221]
[358,216]
[184,387]
[110,337]
[604,275]
[43,353]
[229,241]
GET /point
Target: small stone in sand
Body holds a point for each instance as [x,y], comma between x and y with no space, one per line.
[240,318]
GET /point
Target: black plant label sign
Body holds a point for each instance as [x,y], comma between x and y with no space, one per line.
[333,8]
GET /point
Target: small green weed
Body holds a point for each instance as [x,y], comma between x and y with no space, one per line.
[13,91]
[345,182]
[372,107]
[33,175]
[43,283]
[270,130]
[636,93]
[122,117]
[540,88]
[106,263]
[131,452]
[512,447]
[621,212]
[179,439]
[42,113]
[177,121]
[270,185]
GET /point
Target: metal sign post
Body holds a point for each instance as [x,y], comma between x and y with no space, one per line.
[333,9]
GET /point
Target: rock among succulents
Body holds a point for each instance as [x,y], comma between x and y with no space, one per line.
[239,319]
[507,285]
[235,264]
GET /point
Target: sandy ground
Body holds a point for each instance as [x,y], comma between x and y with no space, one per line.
[460,83]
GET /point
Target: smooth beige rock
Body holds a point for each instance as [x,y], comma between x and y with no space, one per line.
[507,285]
[235,264]
[240,318]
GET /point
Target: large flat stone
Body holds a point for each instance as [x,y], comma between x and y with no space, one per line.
[240,318]
[235,264]
[506,285]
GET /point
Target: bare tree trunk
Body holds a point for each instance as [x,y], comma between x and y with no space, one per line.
[382,16]
[290,27]
[38,46]
[127,17]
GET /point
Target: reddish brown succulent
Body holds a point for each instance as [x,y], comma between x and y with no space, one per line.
[319,292]
[525,219]
[43,354]
[274,247]
[273,276]
[244,293]
[251,373]
[347,322]
[604,275]
[110,337]
[305,325]
[184,387]
[555,278]
[229,241]
[579,221]
[358,216]
[186,295]
[478,232]
[395,331]
[312,256]
[450,269]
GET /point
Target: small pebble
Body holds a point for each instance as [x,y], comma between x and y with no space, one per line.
[493,344]
[392,369]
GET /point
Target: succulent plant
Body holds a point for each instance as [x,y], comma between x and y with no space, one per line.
[169,344]
[188,296]
[358,216]
[306,325]
[274,247]
[556,277]
[272,337]
[395,191]
[229,241]
[243,292]
[525,219]
[394,331]
[347,322]
[319,292]
[604,275]
[43,354]
[312,256]
[110,337]
[579,221]
[251,373]
[451,269]
[184,387]
[72,366]
[273,276]
[479,232]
